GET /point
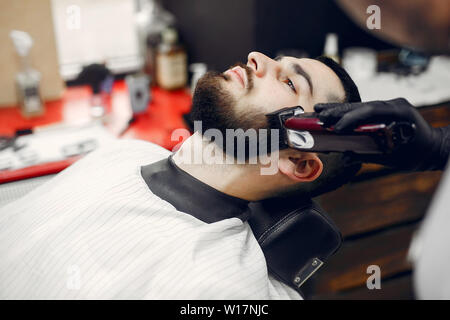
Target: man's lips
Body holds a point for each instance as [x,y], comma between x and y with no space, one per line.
[240,74]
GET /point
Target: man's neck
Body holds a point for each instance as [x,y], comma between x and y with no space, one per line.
[238,180]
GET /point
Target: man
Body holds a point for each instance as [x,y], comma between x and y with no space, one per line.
[133,221]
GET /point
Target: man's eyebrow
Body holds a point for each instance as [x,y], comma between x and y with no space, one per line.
[300,71]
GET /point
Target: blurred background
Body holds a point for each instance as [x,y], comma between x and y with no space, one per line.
[78,73]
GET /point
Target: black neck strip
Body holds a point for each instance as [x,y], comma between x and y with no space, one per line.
[188,194]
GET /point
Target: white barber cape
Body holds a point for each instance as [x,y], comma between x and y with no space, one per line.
[96,231]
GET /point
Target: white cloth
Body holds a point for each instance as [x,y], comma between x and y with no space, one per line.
[96,231]
[427,88]
[430,250]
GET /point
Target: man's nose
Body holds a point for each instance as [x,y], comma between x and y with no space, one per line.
[261,64]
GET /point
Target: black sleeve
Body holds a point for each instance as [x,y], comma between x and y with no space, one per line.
[445,146]
[439,157]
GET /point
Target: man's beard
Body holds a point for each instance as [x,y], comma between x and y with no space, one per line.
[216,108]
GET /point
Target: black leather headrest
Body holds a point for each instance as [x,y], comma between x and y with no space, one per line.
[296,236]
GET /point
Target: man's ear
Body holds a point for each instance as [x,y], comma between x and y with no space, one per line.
[300,166]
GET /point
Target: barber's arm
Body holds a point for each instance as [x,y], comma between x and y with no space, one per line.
[428,150]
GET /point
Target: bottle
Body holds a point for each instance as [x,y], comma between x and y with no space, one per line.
[171,62]
[331,47]
[151,20]
[27,79]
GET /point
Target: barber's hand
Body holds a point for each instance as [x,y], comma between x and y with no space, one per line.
[416,154]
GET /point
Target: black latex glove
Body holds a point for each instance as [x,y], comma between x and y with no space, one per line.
[428,149]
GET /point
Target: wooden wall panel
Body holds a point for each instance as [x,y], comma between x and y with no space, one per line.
[398,288]
[348,268]
[381,202]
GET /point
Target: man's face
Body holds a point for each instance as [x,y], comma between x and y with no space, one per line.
[241,96]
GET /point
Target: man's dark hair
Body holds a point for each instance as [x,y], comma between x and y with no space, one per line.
[351,91]
[338,168]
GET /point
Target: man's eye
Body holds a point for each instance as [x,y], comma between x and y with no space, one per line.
[290,84]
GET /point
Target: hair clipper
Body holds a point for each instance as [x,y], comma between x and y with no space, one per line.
[305,131]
